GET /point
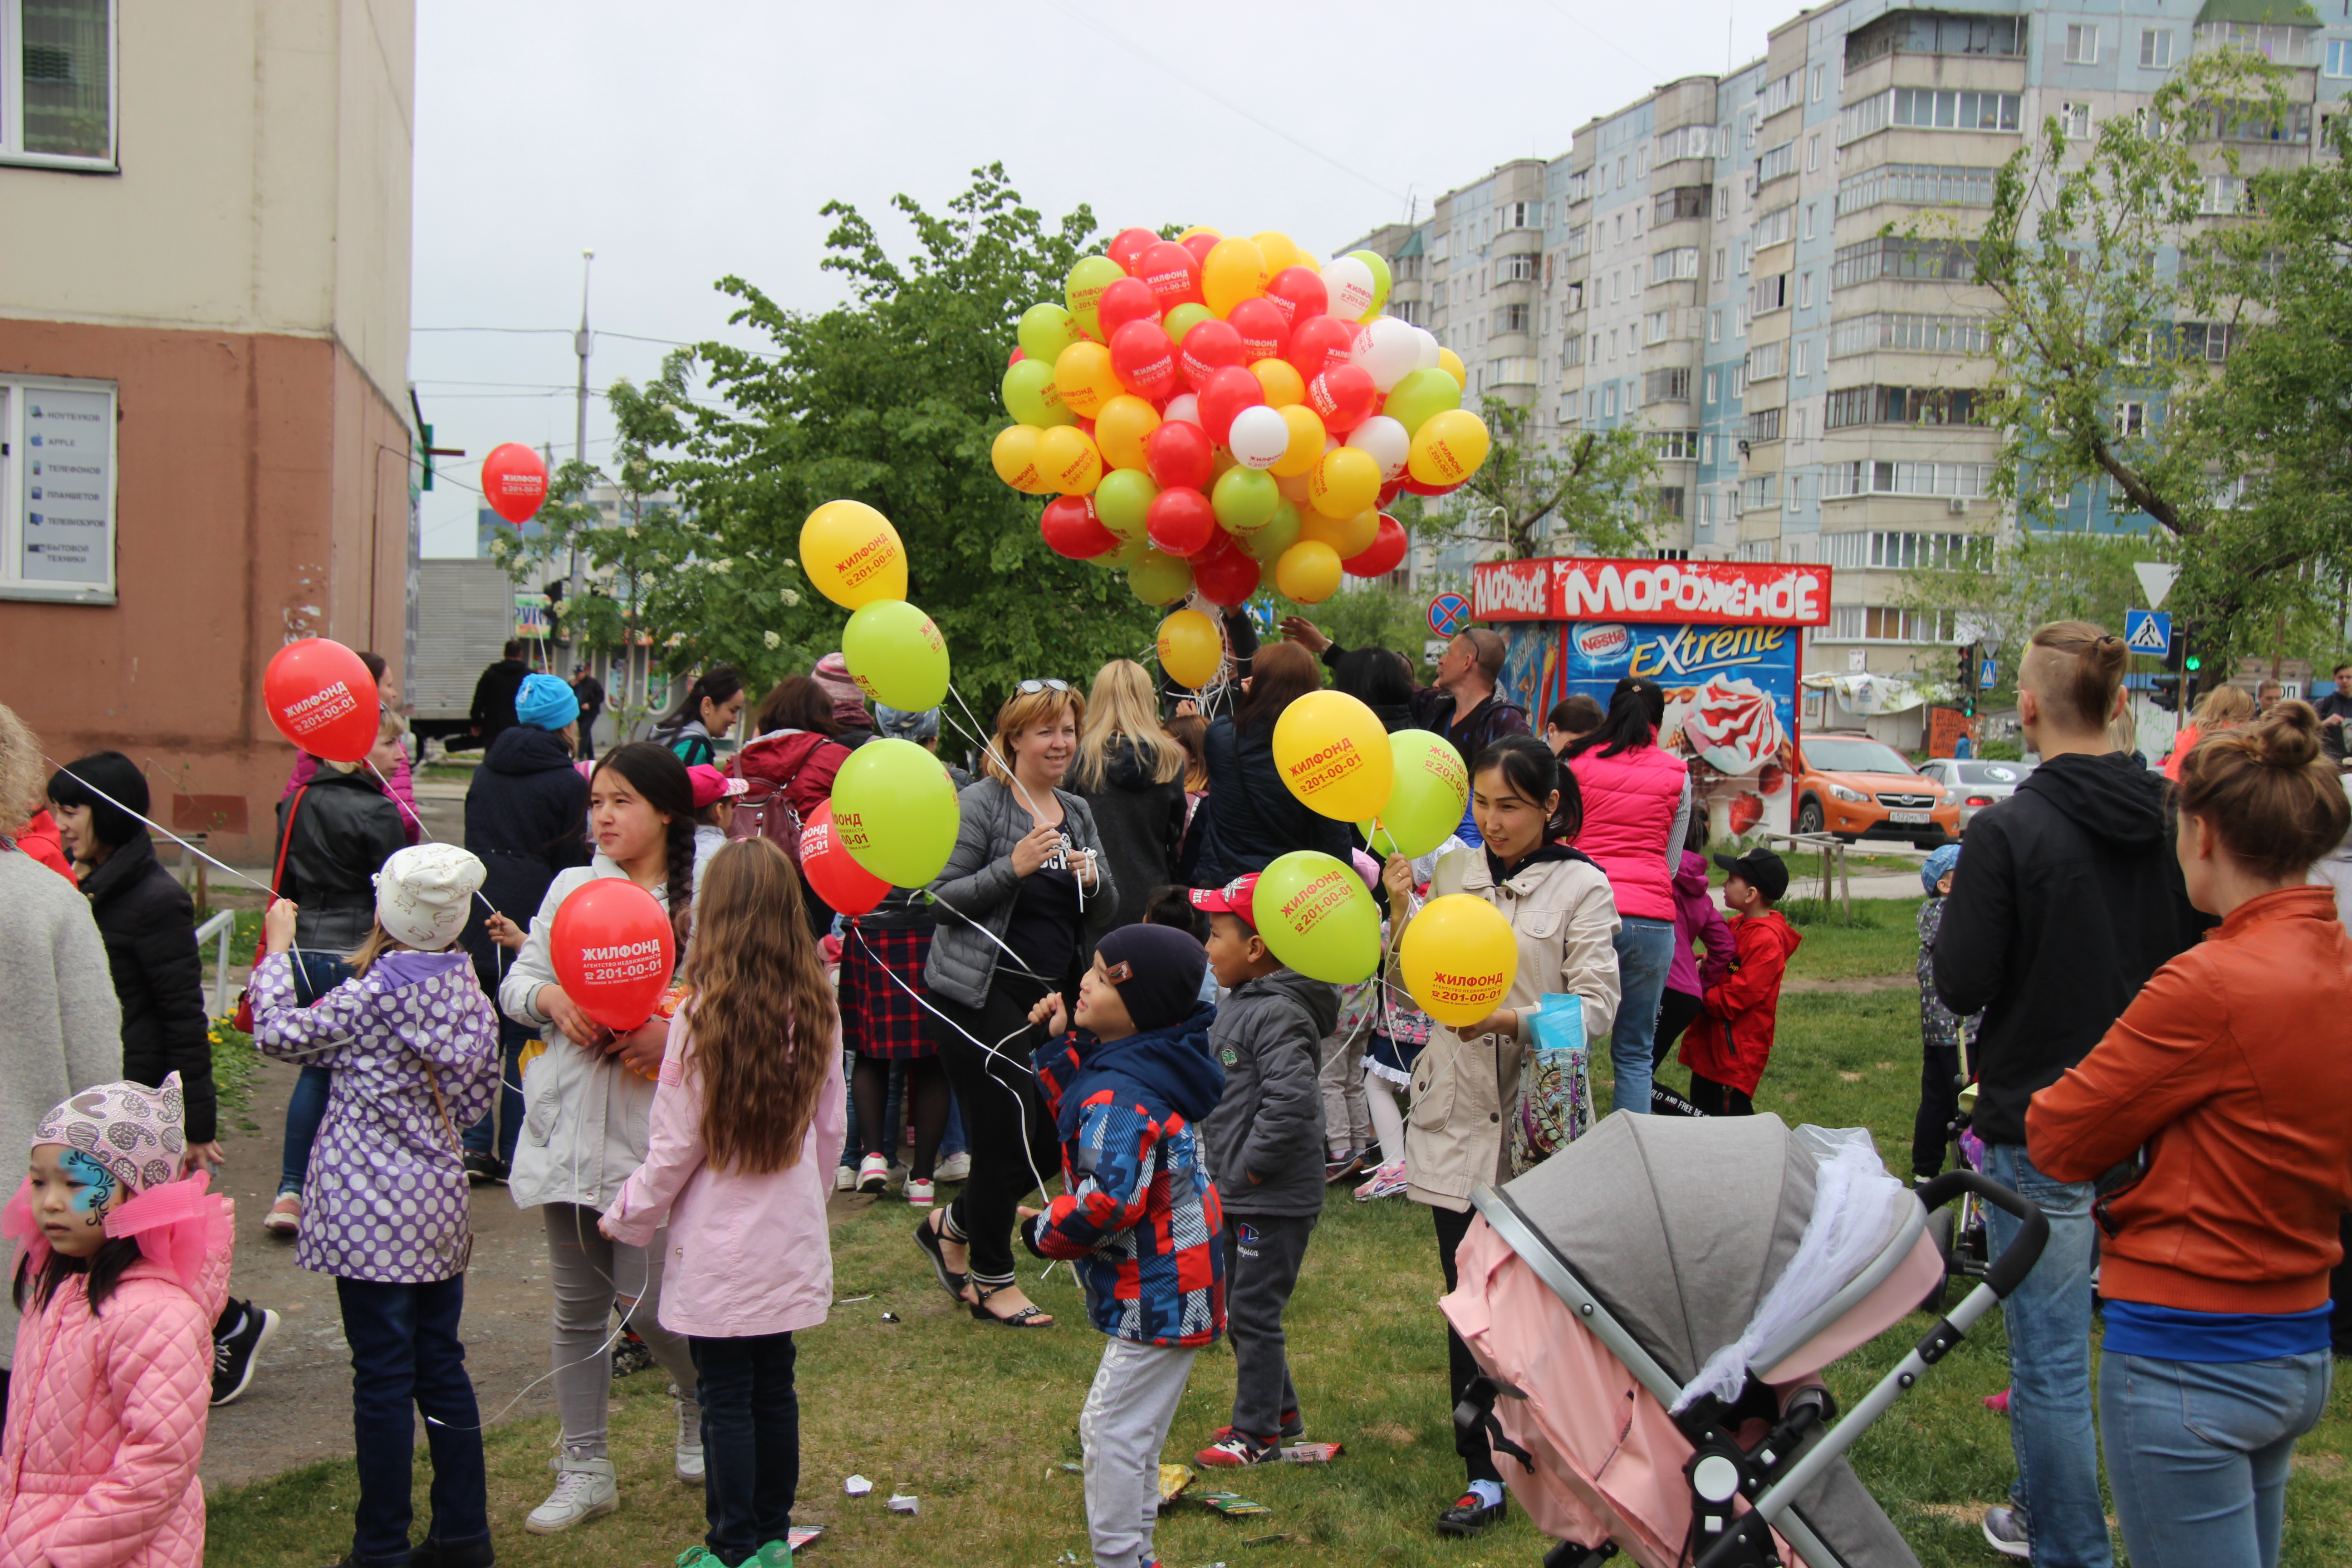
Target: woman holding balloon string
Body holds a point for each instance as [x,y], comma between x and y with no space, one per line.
[1564,924]
[1011,903]
[588,1097]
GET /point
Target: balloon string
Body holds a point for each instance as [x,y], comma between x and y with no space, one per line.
[1034,814]
[427,834]
[166,832]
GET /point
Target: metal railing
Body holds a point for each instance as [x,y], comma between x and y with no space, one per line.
[218,931]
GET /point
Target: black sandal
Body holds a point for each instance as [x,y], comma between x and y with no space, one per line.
[1026,1317]
[950,1280]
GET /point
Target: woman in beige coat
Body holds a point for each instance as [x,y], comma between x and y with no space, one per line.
[1465,1083]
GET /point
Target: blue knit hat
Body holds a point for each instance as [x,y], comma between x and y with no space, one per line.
[545,703]
[1939,865]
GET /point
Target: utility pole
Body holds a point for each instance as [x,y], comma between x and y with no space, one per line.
[580,343]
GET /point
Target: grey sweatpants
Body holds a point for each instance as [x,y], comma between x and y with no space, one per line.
[1263,1253]
[592,1277]
[1346,1117]
[1123,1427]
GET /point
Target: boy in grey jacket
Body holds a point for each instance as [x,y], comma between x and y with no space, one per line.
[1265,1144]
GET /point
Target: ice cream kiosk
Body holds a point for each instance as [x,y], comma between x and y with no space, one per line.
[1725,638]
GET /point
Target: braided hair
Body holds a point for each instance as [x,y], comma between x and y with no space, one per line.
[661,781]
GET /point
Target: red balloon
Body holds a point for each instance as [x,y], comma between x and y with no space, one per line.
[1298,293]
[1344,395]
[1224,575]
[1129,299]
[1172,273]
[1378,559]
[1142,357]
[1389,492]
[1199,247]
[1415,487]
[1317,344]
[1210,347]
[1229,392]
[848,887]
[1016,357]
[1264,330]
[1130,244]
[514,481]
[1178,456]
[1074,528]
[1179,520]
[322,698]
[611,947]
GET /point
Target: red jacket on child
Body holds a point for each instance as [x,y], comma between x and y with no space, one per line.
[1731,1039]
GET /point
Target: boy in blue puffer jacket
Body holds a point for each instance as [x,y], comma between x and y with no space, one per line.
[1140,1221]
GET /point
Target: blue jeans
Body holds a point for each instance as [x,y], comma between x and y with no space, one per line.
[406,1360]
[1645,952]
[2197,1452]
[512,1039]
[750,1441]
[304,1111]
[2048,1321]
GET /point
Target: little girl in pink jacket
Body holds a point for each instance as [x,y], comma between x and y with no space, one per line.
[121,1271]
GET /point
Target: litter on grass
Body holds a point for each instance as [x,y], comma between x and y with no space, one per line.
[802,1534]
[902,1502]
[1310,1453]
[857,1486]
[1233,1505]
[1173,1479]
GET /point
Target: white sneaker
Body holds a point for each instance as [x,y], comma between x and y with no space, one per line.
[920,1193]
[2007,1531]
[873,1173]
[956,1167]
[689,1439]
[584,1490]
[1387,1182]
[844,1179]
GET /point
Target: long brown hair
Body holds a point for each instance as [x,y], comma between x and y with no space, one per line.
[1279,676]
[797,703]
[2275,801]
[1191,732]
[763,1024]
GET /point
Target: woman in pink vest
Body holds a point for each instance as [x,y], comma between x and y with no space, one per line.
[1636,809]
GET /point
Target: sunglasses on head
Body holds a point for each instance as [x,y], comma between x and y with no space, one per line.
[1031,688]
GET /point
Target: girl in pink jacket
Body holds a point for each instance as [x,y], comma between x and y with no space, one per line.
[748,1111]
[120,1271]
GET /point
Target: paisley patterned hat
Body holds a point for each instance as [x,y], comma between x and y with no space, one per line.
[136,1132]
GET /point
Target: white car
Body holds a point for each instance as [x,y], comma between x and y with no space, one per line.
[1976,785]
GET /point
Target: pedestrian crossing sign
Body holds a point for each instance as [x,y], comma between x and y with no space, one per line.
[2147,631]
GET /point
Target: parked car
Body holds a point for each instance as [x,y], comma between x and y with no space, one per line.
[1976,783]
[1857,787]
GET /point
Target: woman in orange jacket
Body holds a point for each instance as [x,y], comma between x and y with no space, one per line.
[2216,1102]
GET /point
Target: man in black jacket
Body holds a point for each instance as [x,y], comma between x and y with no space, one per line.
[2068,899]
[494,693]
[589,692]
[2335,707]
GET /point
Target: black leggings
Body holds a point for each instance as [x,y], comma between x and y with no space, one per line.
[1007,1140]
[1461,1366]
[1939,1107]
[1677,1010]
[1713,1099]
[926,1101]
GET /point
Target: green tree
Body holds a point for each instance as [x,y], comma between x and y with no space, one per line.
[2001,595]
[1537,491]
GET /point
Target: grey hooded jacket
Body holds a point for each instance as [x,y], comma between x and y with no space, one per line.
[1269,1123]
[975,891]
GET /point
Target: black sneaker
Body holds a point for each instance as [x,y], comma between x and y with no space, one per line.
[1469,1517]
[483,1169]
[234,1357]
[1293,1425]
[433,1555]
[630,1355]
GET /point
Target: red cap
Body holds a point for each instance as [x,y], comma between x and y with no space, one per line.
[1236,898]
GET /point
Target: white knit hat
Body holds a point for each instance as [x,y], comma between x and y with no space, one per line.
[422,893]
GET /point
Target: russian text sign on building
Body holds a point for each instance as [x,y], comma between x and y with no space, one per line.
[1721,592]
[59,439]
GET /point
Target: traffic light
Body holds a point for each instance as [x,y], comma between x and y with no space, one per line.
[2163,691]
[2176,649]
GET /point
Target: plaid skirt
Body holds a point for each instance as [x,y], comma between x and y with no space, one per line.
[879,1018]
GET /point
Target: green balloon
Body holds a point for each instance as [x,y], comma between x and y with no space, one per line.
[1158,578]
[1426,801]
[1031,397]
[1419,398]
[1382,278]
[1266,543]
[1121,498]
[896,655]
[1242,498]
[1121,556]
[1045,331]
[1083,291]
[1318,917]
[1184,318]
[895,810]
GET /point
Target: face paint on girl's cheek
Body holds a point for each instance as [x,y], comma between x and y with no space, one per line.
[98,1181]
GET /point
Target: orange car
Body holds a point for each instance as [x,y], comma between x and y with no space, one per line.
[1857,787]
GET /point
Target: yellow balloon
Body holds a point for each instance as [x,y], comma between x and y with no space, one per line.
[853,554]
[1234,271]
[1305,448]
[1331,750]
[1015,458]
[1309,571]
[1085,379]
[1350,536]
[1459,958]
[1310,262]
[1120,430]
[1451,364]
[1278,248]
[1448,447]
[1070,460]
[1189,650]
[1198,229]
[1281,382]
[1344,481]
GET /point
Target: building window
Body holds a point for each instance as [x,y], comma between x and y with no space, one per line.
[1768,294]
[2224,195]
[1609,401]
[1929,109]
[1514,269]
[1739,381]
[1776,161]
[2074,121]
[1747,248]
[1804,291]
[2131,419]
[1719,258]
[1930,33]
[1763,424]
[1613,344]
[1687,201]
[1762,493]
[1820,77]
[1903,405]
[1675,445]
[1774,227]
[1672,266]
[1665,387]
[2081,45]
[2277,43]
[1812,152]
[1656,325]
[1714,384]
[1666,500]
[1940,261]
[59,111]
[1740,321]
[1918,184]
[1580,242]
[1767,361]
[1778,95]
[57,489]
[2155,49]
[1950,480]
[1715,326]
[1511,318]
[1909,333]
[1797,357]
[2340,56]
[1571,352]
[1518,215]
[1889,622]
[1886,551]
[1812,210]
[1580,186]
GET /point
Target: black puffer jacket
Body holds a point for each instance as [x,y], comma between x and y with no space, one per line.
[150,928]
[1251,818]
[1142,822]
[345,829]
[2066,900]
[527,818]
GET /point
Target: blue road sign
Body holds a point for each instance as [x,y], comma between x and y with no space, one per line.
[2147,631]
[1987,674]
[1448,614]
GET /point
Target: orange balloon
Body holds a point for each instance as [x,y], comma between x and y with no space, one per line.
[1294,488]
[1084,377]
[1120,430]
[1305,448]
[1350,536]
[1281,381]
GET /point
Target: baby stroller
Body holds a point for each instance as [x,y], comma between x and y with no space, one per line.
[1728,1254]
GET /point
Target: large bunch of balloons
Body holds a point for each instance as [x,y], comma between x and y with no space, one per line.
[1211,407]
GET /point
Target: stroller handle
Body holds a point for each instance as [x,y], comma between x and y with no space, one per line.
[2018,1258]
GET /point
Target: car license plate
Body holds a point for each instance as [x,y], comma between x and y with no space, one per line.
[1908,818]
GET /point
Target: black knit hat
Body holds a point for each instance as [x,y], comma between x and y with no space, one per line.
[1158,971]
[90,779]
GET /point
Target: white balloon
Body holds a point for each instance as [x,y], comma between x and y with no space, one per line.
[1384,441]
[1387,348]
[1261,435]
[1187,408]
[1349,283]
[1431,351]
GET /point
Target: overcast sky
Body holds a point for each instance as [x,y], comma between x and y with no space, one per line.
[688,141]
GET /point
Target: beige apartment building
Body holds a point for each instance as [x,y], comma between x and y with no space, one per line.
[204,452]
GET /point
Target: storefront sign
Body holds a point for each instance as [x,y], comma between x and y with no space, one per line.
[65,472]
[1746,592]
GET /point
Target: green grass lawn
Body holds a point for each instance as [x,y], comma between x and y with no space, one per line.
[976,1420]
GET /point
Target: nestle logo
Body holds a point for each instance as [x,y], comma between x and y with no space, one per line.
[1603,641]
